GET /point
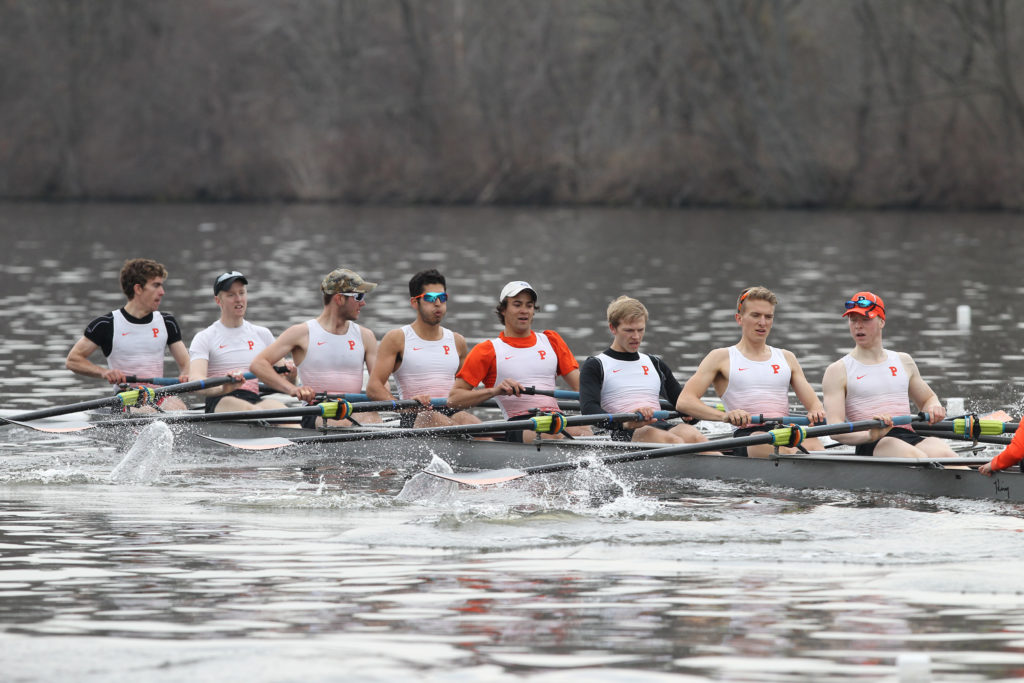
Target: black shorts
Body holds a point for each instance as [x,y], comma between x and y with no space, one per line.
[407,419]
[627,434]
[741,451]
[250,396]
[900,433]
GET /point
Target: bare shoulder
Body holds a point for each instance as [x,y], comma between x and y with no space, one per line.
[908,362]
[717,358]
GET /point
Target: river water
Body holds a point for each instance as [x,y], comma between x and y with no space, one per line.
[232,567]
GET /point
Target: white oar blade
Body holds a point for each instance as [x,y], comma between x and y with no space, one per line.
[266,444]
[480,478]
[55,426]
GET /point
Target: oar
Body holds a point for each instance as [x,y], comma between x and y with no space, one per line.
[782,436]
[952,436]
[970,426]
[131,397]
[334,410]
[541,423]
[170,381]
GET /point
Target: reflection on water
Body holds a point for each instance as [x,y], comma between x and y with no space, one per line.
[284,566]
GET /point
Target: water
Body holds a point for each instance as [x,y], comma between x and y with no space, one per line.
[207,564]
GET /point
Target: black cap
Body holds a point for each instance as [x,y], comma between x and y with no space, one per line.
[224,281]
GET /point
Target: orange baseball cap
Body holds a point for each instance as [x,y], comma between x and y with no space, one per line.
[866,304]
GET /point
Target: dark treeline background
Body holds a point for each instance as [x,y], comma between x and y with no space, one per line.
[870,103]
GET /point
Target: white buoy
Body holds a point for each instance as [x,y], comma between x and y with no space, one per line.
[954,407]
[963,316]
[914,667]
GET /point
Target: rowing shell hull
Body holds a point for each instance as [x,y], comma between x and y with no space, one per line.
[820,472]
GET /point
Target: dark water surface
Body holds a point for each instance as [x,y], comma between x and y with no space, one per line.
[229,567]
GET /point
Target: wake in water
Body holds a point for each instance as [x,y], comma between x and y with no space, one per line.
[147,457]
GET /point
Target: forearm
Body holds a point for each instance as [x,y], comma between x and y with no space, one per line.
[461,398]
[695,407]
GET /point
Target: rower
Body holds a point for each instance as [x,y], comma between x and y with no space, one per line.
[228,346]
[874,382]
[517,357]
[330,351]
[751,377]
[133,338]
[621,379]
[423,356]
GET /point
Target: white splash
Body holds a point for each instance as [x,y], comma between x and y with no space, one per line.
[147,457]
[426,489]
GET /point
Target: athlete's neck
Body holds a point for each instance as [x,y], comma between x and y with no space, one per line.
[331,321]
[426,331]
[231,320]
[136,309]
[869,355]
[753,349]
[511,333]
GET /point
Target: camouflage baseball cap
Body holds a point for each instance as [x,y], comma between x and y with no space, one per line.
[343,280]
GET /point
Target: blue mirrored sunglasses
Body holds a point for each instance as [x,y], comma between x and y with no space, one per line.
[862,302]
[433,297]
[358,296]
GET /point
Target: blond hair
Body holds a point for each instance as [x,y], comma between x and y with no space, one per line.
[625,308]
[756,293]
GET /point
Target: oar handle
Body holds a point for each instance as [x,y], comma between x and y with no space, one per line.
[784,419]
[170,381]
[554,393]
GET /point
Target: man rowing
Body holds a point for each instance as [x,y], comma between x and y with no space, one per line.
[517,358]
[134,338]
[422,356]
[751,377]
[330,351]
[228,347]
[621,379]
[872,382]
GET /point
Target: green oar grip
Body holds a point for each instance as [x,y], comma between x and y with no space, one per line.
[790,436]
[972,426]
[552,423]
[336,410]
[137,397]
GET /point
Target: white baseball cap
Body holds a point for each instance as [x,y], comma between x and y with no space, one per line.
[513,288]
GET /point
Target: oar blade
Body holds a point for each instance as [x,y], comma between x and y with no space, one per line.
[54,426]
[264,444]
[485,478]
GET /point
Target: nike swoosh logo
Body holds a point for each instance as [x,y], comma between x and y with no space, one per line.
[861,376]
[417,348]
[222,346]
[509,357]
[619,370]
[125,334]
[320,343]
[742,369]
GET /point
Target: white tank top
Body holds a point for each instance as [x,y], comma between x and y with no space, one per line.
[629,384]
[428,367]
[535,366]
[138,349]
[758,387]
[879,389]
[228,349]
[334,362]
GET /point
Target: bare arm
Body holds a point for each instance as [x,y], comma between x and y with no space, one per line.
[294,340]
[922,395]
[369,349]
[804,391]
[386,363]
[180,355]
[715,365]
[573,379]
[464,396]
[78,362]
